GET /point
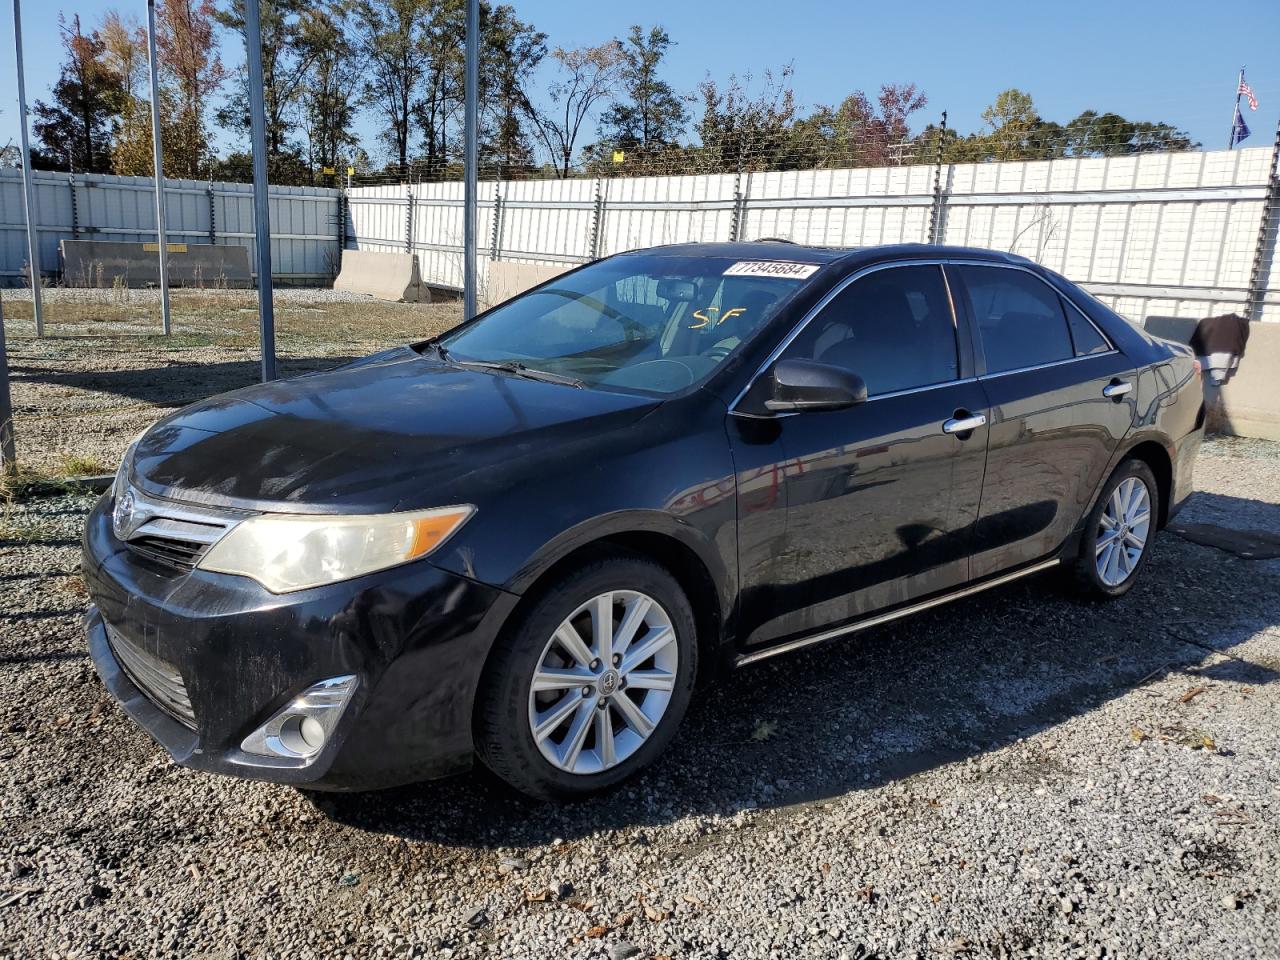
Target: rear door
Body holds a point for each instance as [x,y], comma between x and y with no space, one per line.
[845,512]
[1061,399]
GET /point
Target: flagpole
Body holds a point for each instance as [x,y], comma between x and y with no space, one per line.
[1235,117]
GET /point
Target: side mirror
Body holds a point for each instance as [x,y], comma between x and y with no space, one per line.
[800,385]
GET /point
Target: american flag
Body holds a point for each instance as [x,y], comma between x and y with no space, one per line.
[1247,91]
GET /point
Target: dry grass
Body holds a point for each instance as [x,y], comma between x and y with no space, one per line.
[102,373]
[71,464]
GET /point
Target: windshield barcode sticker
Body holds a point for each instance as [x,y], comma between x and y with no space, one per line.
[772,268]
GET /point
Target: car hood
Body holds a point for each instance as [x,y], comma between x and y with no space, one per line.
[398,431]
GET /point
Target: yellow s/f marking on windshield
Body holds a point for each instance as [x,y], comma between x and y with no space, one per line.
[713,321]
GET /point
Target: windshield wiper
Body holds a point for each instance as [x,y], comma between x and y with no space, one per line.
[513,367]
[518,369]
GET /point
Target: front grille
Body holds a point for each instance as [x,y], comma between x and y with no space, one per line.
[170,551]
[173,535]
[159,682]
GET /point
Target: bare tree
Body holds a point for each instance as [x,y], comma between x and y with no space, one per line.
[588,75]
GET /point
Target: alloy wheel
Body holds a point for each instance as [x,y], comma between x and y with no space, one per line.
[1123,530]
[603,682]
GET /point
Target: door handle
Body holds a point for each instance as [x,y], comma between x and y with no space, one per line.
[1116,389]
[964,424]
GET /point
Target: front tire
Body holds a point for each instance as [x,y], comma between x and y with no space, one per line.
[1119,532]
[591,684]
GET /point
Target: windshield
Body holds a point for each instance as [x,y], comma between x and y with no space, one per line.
[652,323]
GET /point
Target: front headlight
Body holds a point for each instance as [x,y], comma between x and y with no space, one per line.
[286,553]
[122,471]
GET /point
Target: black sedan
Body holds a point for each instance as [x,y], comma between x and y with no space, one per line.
[531,539]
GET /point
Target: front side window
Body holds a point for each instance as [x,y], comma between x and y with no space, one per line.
[649,322]
[892,327]
[1019,318]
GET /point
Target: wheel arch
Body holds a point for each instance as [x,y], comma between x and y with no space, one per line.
[690,560]
[1155,454]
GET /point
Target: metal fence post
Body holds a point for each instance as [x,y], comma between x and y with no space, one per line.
[8,458]
[157,151]
[343,201]
[495,231]
[735,227]
[470,188]
[935,215]
[28,194]
[597,220]
[1264,259]
[213,214]
[261,197]
[75,218]
[741,197]
[408,220]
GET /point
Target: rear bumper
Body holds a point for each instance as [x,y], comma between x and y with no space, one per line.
[416,637]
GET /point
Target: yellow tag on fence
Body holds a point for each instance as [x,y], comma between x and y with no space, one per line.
[171,247]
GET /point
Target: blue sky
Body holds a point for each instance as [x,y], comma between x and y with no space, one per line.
[1172,61]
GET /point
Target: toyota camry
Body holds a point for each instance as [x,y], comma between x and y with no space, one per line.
[534,539]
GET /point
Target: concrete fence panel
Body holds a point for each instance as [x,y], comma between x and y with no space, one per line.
[305,221]
[1173,234]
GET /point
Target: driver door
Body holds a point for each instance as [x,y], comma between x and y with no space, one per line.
[878,500]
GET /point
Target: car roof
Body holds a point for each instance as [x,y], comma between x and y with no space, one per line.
[853,257]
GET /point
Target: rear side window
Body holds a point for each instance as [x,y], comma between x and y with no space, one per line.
[892,327]
[1086,336]
[1020,318]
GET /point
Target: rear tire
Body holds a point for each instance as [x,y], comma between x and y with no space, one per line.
[1118,533]
[600,714]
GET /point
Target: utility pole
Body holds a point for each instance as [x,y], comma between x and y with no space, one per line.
[157,156]
[261,212]
[8,459]
[28,196]
[470,118]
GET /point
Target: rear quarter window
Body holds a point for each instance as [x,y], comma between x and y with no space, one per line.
[1020,318]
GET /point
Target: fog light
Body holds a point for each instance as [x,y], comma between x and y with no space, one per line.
[300,730]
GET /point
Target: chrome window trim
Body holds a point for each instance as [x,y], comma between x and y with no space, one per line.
[1045,366]
[940,263]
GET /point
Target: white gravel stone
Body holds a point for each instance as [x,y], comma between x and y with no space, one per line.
[941,787]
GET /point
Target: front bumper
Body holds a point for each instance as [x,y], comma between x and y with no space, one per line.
[415,636]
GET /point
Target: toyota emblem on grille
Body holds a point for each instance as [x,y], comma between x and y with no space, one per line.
[128,515]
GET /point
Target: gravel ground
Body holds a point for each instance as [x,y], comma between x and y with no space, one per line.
[102,373]
[1019,774]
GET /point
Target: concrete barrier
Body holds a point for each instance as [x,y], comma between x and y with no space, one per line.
[387,276]
[110,263]
[1248,404]
[507,279]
